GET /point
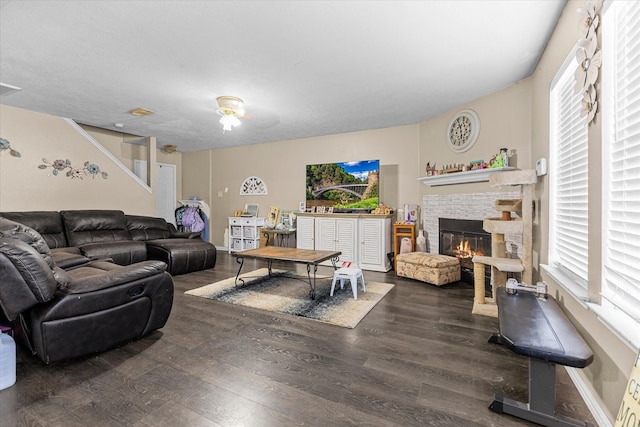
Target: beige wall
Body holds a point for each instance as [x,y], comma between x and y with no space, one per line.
[23,186]
[609,373]
[282,166]
[505,121]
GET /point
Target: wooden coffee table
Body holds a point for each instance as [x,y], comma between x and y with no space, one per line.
[300,256]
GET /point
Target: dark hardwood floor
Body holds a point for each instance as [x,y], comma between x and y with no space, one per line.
[419,358]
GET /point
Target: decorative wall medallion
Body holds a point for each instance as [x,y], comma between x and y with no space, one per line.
[253,186]
[89,169]
[463,131]
[6,145]
[589,58]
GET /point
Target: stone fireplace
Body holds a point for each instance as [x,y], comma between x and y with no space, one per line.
[471,209]
[463,239]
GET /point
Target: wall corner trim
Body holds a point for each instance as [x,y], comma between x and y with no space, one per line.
[107,153]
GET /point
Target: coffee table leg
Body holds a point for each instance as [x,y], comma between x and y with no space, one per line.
[312,285]
[334,260]
[269,264]
[240,260]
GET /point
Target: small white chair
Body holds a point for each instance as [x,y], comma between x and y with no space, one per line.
[352,274]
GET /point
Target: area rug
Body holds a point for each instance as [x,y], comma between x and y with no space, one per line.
[288,293]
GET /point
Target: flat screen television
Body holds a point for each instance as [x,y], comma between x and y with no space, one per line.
[343,187]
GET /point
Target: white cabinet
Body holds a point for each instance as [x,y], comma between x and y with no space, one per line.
[375,243]
[244,233]
[364,240]
[337,234]
[305,232]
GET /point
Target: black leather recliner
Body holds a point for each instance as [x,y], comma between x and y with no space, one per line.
[62,314]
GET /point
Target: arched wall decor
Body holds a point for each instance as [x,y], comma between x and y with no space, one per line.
[253,186]
[589,58]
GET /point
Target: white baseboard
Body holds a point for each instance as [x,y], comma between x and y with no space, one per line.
[590,398]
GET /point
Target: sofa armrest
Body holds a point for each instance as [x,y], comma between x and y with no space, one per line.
[26,277]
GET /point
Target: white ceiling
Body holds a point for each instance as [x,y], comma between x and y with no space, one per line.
[303,68]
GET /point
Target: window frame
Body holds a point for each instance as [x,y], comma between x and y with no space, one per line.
[616,318]
[576,284]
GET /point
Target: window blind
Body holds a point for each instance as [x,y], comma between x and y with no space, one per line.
[621,148]
[568,177]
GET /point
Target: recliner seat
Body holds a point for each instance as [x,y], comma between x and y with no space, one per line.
[66,314]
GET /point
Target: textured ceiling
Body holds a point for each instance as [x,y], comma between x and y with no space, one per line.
[304,68]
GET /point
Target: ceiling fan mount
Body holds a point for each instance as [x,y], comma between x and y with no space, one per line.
[231,109]
[230,105]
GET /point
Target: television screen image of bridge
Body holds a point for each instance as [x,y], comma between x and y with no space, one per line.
[343,185]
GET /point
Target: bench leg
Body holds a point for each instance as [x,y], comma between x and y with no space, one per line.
[542,386]
[541,408]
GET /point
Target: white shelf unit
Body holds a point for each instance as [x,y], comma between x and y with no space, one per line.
[244,233]
[363,239]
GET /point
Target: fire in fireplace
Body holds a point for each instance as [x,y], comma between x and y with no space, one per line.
[465,238]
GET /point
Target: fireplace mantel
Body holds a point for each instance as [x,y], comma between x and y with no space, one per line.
[478,175]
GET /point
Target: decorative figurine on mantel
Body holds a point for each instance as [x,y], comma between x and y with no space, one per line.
[430,170]
[500,160]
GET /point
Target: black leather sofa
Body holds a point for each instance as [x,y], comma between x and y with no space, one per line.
[77,235]
[90,307]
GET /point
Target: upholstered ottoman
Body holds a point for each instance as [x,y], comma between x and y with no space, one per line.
[431,268]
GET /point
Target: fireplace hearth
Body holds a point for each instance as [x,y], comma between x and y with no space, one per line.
[465,238]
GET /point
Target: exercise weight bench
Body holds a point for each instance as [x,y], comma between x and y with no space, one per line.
[538,328]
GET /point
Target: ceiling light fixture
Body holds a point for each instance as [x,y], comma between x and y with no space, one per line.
[231,109]
[169,148]
[141,112]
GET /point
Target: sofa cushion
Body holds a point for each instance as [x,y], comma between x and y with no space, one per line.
[147,228]
[94,226]
[122,252]
[67,260]
[104,274]
[47,223]
[183,255]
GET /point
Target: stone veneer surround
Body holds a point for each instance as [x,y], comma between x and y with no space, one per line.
[476,206]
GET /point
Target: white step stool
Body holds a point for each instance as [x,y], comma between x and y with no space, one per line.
[353,274]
